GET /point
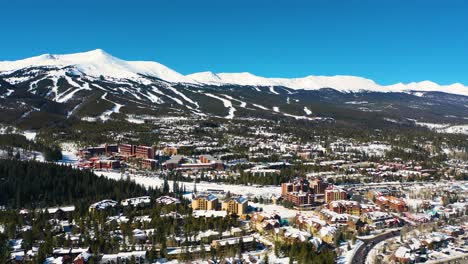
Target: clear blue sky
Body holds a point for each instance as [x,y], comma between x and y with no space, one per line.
[388,41]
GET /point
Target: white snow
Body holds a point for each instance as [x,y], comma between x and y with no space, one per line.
[263,191]
[16,80]
[348,255]
[135,120]
[445,128]
[242,103]
[357,102]
[69,151]
[461,129]
[8,93]
[307,110]
[276,109]
[226,103]
[63,97]
[260,106]
[152,97]
[98,63]
[183,96]
[30,135]
[272,90]
[178,101]
[116,109]
[339,82]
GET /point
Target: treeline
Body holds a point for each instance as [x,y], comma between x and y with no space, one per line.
[4,248]
[11,141]
[415,153]
[34,184]
[304,253]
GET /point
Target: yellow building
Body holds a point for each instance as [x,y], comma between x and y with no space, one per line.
[235,205]
[205,202]
[170,151]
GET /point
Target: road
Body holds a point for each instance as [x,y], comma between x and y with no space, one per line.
[362,252]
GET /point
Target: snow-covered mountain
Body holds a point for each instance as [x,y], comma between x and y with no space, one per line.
[98,63]
[95,86]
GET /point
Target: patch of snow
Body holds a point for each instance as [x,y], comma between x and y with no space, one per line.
[8,93]
[16,80]
[30,135]
[247,191]
[183,96]
[226,103]
[135,120]
[260,106]
[116,109]
[242,103]
[64,97]
[357,102]
[69,151]
[178,101]
[445,128]
[89,119]
[272,90]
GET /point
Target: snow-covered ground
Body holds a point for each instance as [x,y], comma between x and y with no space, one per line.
[242,103]
[260,106]
[347,255]
[276,209]
[30,135]
[150,181]
[135,120]
[98,63]
[370,259]
[445,128]
[69,151]
[272,90]
[373,149]
[116,109]
[183,96]
[226,103]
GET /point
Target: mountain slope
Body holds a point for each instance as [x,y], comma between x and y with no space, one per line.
[95,86]
[98,63]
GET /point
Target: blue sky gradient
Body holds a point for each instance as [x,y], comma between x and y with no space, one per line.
[387,41]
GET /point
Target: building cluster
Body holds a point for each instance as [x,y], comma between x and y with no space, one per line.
[111,157]
[302,192]
[433,246]
[182,163]
[230,205]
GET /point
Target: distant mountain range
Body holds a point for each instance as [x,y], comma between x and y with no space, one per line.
[94,86]
[99,63]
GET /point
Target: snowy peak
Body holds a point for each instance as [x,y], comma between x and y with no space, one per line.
[205,78]
[98,63]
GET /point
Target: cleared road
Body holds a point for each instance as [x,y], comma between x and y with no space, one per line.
[362,252]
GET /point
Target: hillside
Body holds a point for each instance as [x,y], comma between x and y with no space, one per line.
[95,87]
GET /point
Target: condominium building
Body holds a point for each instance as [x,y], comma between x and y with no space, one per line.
[334,194]
[236,205]
[205,202]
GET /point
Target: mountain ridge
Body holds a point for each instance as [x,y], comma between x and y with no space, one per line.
[98,63]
